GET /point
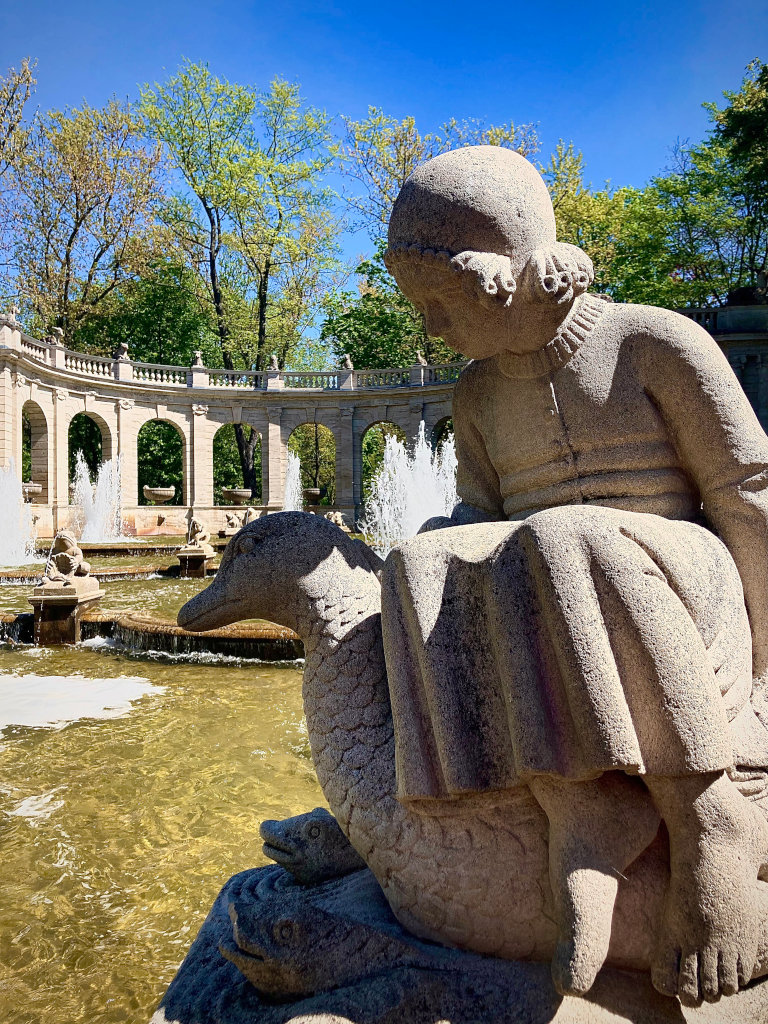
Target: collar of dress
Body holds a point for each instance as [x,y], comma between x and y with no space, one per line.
[571,333]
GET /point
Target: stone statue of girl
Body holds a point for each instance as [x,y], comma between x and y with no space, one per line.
[592,622]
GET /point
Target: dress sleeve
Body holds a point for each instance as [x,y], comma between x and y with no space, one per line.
[724,450]
[477,482]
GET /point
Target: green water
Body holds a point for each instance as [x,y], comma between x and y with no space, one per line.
[160,597]
[116,834]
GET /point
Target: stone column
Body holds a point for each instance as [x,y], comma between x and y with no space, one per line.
[127,442]
[345,459]
[272,460]
[738,362]
[202,456]
[60,496]
[10,338]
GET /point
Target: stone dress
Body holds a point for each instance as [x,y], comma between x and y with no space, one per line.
[612,617]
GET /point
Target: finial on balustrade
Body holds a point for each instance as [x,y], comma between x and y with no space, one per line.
[273,362]
[198,360]
[347,363]
[13,313]
[121,352]
[56,337]
[420,360]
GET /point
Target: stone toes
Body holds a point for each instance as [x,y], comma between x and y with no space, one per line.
[665,972]
[728,973]
[709,977]
[688,985]
[744,970]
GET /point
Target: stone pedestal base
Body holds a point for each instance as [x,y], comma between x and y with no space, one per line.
[460,988]
[59,609]
[195,561]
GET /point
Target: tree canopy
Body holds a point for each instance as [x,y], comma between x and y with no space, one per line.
[202,219]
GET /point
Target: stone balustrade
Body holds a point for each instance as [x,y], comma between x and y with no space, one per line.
[51,384]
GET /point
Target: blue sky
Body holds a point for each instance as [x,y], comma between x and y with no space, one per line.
[622,81]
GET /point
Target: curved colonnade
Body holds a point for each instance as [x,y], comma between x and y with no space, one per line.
[52,385]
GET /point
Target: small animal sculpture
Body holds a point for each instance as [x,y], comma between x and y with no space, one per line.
[65,559]
[337,519]
[310,846]
[289,941]
[197,535]
[233,521]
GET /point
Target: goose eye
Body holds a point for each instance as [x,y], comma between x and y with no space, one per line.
[283,931]
[246,546]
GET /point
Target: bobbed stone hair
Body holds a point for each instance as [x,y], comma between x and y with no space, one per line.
[479,210]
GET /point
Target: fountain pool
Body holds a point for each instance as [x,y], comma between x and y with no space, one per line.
[118,831]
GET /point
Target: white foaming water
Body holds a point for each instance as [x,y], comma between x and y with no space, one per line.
[17,541]
[102,519]
[408,490]
[293,498]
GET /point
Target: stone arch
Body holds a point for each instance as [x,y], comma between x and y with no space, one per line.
[162,449]
[35,449]
[441,430]
[90,433]
[372,442]
[315,444]
[227,465]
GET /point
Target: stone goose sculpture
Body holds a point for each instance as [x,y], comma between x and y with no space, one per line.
[471,874]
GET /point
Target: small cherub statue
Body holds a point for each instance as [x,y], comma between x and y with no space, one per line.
[273,365]
[197,535]
[346,363]
[601,612]
[65,559]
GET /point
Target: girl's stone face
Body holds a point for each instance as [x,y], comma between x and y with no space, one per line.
[452,312]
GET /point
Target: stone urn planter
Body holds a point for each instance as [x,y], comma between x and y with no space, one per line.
[158,495]
[31,490]
[236,495]
[311,495]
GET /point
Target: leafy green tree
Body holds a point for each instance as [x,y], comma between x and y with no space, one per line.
[593,220]
[743,123]
[253,219]
[227,470]
[379,152]
[15,89]
[157,315]
[315,446]
[379,326]
[80,198]
[161,459]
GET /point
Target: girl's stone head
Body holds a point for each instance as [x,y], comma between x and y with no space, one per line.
[472,241]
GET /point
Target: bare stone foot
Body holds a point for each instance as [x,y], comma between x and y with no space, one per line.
[596,829]
[708,943]
[585,907]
